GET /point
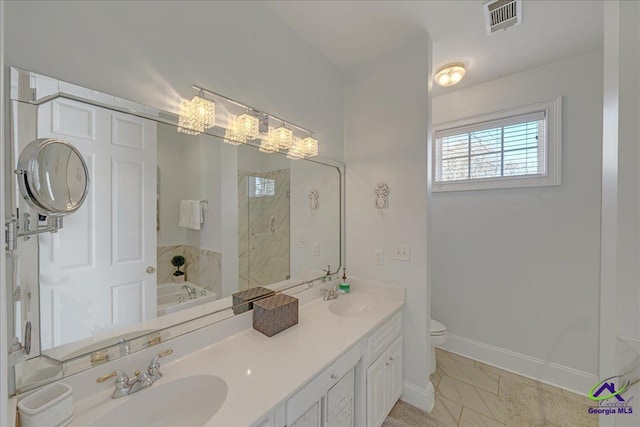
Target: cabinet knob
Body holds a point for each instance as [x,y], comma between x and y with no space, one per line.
[391,359]
[151,269]
[333,377]
[388,364]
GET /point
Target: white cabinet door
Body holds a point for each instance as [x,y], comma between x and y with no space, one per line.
[377,392]
[311,418]
[394,372]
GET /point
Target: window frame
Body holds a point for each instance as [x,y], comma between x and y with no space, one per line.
[553,150]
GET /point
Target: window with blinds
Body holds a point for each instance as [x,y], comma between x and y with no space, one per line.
[509,146]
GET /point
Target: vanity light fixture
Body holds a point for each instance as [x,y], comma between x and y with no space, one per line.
[232,136]
[283,137]
[267,145]
[309,146]
[197,115]
[450,74]
[248,126]
[296,150]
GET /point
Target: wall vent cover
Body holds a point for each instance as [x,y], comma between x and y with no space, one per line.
[502,14]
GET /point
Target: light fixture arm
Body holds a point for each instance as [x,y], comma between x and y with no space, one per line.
[252,109]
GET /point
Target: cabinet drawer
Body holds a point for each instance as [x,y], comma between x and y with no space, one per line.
[380,339]
[340,394]
[317,387]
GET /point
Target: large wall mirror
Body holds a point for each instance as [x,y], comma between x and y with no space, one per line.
[172,226]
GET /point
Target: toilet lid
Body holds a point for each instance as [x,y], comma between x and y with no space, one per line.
[437,328]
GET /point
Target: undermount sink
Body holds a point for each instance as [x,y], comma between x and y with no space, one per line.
[189,401]
[354,304]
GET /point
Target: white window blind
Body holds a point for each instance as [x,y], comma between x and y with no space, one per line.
[506,147]
[261,187]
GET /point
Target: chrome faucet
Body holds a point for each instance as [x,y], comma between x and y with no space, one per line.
[330,294]
[191,291]
[126,386]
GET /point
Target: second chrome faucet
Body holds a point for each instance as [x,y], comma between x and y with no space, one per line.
[126,386]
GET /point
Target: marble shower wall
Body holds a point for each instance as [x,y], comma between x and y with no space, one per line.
[263,231]
[202,267]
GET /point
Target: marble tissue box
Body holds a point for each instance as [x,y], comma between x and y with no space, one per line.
[243,301]
[275,314]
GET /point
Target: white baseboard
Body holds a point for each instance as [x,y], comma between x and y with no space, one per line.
[414,395]
[574,380]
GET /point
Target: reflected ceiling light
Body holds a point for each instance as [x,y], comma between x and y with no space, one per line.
[248,126]
[197,115]
[309,146]
[450,74]
[267,145]
[282,137]
[232,135]
[296,151]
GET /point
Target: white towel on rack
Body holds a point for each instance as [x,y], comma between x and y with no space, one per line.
[190,214]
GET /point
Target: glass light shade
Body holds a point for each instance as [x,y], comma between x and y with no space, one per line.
[450,75]
[267,145]
[248,126]
[296,150]
[309,147]
[232,136]
[187,123]
[282,137]
[204,111]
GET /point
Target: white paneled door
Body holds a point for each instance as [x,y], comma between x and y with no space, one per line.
[93,273]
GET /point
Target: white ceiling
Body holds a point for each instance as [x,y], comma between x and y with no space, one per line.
[350,33]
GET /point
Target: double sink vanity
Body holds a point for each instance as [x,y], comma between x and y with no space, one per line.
[149,333]
[340,365]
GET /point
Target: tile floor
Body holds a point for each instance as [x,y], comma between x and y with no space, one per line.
[470,393]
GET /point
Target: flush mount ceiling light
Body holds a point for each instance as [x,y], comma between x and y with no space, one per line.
[200,114]
[197,115]
[450,74]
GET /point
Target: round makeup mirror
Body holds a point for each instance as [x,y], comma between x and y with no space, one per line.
[53,176]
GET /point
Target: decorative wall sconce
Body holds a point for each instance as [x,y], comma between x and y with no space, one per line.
[382,197]
[314,203]
[199,114]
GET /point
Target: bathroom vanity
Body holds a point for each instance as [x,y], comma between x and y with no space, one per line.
[330,369]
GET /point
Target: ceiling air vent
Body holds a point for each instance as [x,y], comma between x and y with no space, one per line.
[502,14]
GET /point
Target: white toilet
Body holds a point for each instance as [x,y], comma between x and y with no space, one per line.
[438,337]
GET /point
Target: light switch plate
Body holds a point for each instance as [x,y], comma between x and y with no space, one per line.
[402,252]
[378,257]
[302,242]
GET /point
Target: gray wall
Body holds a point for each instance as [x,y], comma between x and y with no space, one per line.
[519,268]
[386,129]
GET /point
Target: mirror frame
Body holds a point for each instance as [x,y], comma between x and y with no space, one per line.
[176,323]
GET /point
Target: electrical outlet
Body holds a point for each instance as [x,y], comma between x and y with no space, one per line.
[302,242]
[402,252]
[378,257]
[316,249]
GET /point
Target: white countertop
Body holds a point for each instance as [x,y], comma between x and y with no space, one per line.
[261,372]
